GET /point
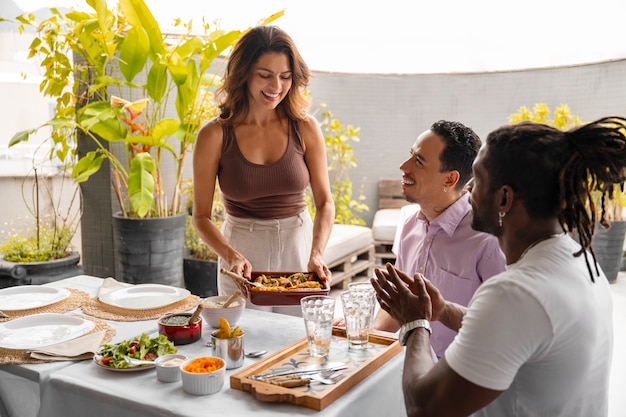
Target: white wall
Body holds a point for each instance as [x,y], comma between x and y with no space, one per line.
[23,107]
[393,109]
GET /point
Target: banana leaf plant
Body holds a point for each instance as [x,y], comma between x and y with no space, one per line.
[140,95]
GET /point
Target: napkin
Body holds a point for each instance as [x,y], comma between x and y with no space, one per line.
[111,284]
[78,349]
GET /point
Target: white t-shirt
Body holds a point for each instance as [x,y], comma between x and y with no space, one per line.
[543,333]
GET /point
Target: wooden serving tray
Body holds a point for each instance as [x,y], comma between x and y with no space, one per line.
[316,395]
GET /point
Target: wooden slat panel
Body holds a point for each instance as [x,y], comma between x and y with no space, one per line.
[390,194]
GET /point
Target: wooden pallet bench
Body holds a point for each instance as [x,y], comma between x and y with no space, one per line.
[349,253]
[390,201]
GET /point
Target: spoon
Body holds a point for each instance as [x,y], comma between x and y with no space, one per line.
[196,313]
[239,278]
[256,354]
[232,298]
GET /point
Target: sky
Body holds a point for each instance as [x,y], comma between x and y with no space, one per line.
[418,36]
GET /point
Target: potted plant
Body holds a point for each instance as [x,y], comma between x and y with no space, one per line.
[200,263]
[608,239]
[39,249]
[138,96]
[340,154]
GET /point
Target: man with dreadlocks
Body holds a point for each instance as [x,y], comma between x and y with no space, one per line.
[536,339]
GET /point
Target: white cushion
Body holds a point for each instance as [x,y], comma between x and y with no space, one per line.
[346,239]
[385,223]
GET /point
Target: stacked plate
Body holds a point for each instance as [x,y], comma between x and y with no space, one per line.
[38,330]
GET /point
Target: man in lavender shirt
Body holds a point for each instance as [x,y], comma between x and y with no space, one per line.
[438,241]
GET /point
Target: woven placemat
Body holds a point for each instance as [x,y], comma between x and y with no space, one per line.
[75,300]
[20,357]
[96,308]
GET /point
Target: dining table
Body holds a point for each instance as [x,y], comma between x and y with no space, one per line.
[79,388]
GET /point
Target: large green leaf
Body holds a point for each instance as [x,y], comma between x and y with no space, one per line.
[218,46]
[141,183]
[87,166]
[157,81]
[138,15]
[186,92]
[190,47]
[100,119]
[134,53]
[151,141]
[165,128]
[177,67]
[110,130]
[102,109]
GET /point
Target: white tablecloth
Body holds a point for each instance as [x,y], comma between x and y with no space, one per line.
[83,389]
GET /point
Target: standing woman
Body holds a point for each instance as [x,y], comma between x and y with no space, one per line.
[265,149]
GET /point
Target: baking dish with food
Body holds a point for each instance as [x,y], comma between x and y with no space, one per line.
[280,288]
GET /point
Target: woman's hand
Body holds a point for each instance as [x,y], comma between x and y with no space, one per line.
[316,264]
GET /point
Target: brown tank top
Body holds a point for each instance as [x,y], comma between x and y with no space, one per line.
[272,191]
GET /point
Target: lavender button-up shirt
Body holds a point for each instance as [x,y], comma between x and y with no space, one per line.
[452,255]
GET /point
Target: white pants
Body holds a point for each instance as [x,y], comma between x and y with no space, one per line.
[277,245]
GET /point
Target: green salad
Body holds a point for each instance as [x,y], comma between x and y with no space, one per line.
[141,347]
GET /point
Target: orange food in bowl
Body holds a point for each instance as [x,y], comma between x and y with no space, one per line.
[204,365]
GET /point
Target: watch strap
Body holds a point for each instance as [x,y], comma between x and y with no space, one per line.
[407,328]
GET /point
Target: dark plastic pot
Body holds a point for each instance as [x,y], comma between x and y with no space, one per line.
[39,273]
[149,250]
[608,246]
[200,277]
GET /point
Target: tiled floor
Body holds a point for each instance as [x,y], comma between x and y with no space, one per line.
[617,391]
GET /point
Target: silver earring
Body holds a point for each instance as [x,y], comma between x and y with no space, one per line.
[445,189]
[501,214]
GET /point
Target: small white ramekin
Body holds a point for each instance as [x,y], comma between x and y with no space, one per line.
[203,383]
[166,370]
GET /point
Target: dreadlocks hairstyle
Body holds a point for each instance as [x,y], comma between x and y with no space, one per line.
[555,172]
[260,40]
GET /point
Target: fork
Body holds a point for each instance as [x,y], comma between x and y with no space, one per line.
[326,377]
[137,362]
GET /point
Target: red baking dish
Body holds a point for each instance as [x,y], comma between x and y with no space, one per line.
[285,297]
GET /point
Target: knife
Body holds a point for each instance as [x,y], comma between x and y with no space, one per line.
[333,366]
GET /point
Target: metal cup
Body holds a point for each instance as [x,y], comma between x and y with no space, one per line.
[230,349]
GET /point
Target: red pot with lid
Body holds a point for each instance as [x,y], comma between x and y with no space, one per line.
[178,329]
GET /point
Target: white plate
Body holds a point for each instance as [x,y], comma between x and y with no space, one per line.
[133,369]
[144,296]
[25,297]
[40,330]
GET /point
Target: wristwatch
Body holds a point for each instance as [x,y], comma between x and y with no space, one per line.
[407,328]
